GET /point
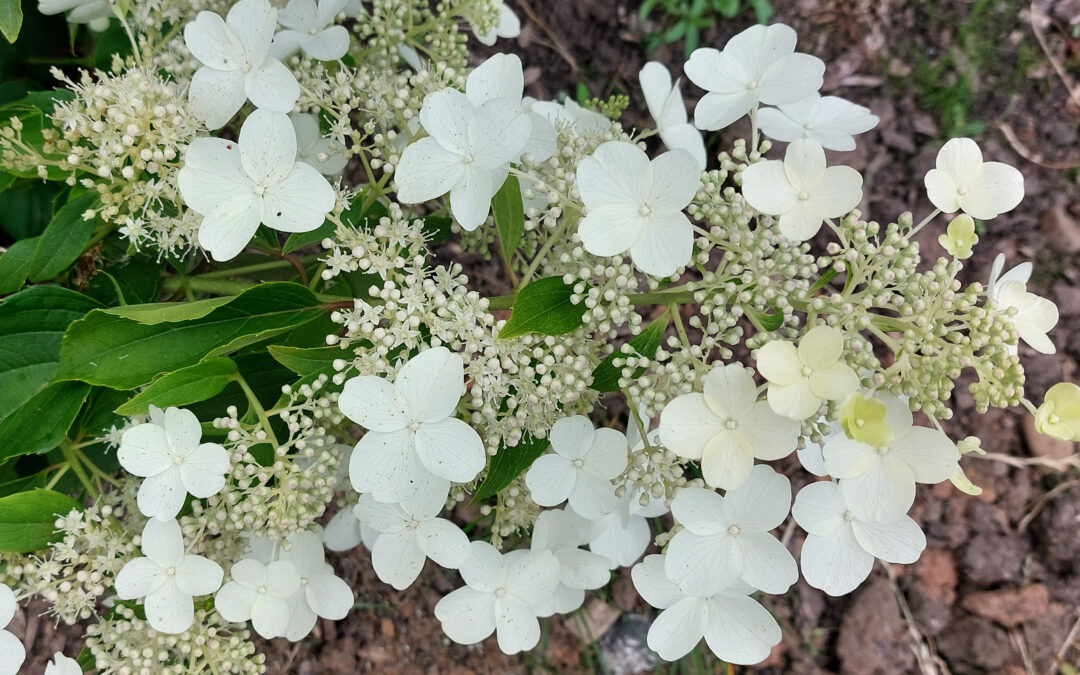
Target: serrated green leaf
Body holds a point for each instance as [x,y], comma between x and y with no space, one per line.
[307,361]
[110,349]
[32,324]
[63,240]
[11,17]
[508,464]
[543,307]
[509,213]
[28,519]
[302,239]
[42,422]
[606,375]
[151,314]
[188,385]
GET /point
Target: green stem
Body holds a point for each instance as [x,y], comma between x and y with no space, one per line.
[68,452]
[253,401]
[57,476]
[247,269]
[215,286]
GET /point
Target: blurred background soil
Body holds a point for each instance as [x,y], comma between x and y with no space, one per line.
[998,588]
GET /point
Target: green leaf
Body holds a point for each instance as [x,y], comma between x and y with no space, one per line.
[27,519]
[543,307]
[155,313]
[32,324]
[509,216]
[15,265]
[606,375]
[10,18]
[302,239]
[188,385]
[64,240]
[31,482]
[771,322]
[307,361]
[110,348]
[43,421]
[27,206]
[127,282]
[508,464]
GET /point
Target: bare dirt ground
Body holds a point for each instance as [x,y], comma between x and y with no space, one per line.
[998,588]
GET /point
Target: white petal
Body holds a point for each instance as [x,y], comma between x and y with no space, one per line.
[612,174]
[216,95]
[740,630]
[302,618]
[686,137]
[942,191]
[804,165]
[12,654]
[516,627]
[450,449]
[900,541]
[59,665]
[372,403]
[163,542]
[197,576]
[773,436]
[652,583]
[573,437]
[679,628]
[253,22]
[470,197]
[699,510]
[342,533]
[767,565]
[999,189]
[821,347]
[885,492]
[329,596]
[426,170]
[509,23]
[610,229]
[329,45]
[835,382]
[730,390]
[835,564]
[839,192]
[138,578]
[621,544]
[819,508]
[929,453]
[234,601]
[550,479]
[766,188]
[761,502]
[382,517]
[778,362]
[498,132]
[300,202]
[203,472]
[500,76]
[727,460]
[676,177]
[531,576]
[664,244]
[212,174]
[687,424]
[847,458]
[212,43]
[656,87]
[386,465]
[779,124]
[961,159]
[270,616]
[791,78]
[281,579]
[802,222]
[267,146]
[483,568]
[698,563]
[796,400]
[397,558]
[443,542]
[607,456]
[467,615]
[592,497]
[430,384]
[445,116]
[227,229]
[8,605]
[144,450]
[285,44]
[717,110]
[169,609]
[272,86]
[162,496]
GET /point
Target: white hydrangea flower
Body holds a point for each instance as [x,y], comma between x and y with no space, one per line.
[509,26]
[562,532]
[94,13]
[636,204]
[735,627]
[580,468]
[472,140]
[1034,316]
[879,482]
[801,378]
[726,427]
[345,532]
[236,185]
[623,535]
[665,103]
[830,120]
[62,665]
[501,77]
[310,27]
[12,652]
[259,593]
[840,547]
[759,65]
[167,578]
[962,181]
[236,63]
[810,456]
[727,538]
[168,454]
[321,594]
[314,149]
[584,122]
[413,443]
[410,532]
[801,190]
[504,594]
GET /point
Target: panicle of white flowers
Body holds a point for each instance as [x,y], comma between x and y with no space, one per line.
[383,26]
[124,644]
[514,514]
[280,493]
[652,472]
[76,573]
